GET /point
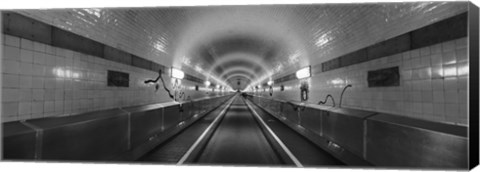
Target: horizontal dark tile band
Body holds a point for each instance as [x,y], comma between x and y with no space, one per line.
[445,30]
[24,27]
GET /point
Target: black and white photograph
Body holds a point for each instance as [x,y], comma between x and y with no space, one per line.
[257,86]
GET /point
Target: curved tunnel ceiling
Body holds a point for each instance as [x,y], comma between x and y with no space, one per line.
[268,40]
[234,51]
[238,69]
[246,75]
[237,76]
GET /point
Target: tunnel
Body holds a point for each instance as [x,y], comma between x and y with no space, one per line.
[351,85]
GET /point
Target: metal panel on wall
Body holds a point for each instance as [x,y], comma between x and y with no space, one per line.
[405,142]
[171,115]
[312,120]
[18,141]
[145,122]
[91,136]
[345,127]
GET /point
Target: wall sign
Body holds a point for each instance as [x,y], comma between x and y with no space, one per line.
[386,77]
[117,79]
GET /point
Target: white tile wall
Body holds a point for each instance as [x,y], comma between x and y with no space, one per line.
[327,31]
[31,88]
[433,84]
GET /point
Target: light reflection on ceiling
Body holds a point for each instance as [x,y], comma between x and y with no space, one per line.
[268,40]
[238,69]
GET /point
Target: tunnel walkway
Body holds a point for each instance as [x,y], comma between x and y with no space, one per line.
[237,138]
[307,152]
[172,150]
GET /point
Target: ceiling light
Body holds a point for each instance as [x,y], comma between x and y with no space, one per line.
[303,73]
[270,83]
[176,73]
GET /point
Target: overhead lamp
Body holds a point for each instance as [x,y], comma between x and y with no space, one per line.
[270,83]
[65,73]
[207,83]
[303,73]
[217,86]
[176,73]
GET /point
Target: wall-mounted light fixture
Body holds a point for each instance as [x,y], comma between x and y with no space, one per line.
[270,89]
[207,83]
[270,83]
[65,73]
[176,73]
[303,73]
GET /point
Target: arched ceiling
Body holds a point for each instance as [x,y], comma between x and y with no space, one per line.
[238,69]
[238,81]
[250,43]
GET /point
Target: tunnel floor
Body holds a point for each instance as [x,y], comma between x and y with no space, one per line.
[306,151]
[238,140]
[172,150]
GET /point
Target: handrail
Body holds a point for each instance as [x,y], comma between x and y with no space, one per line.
[326,98]
[163,82]
[341,96]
